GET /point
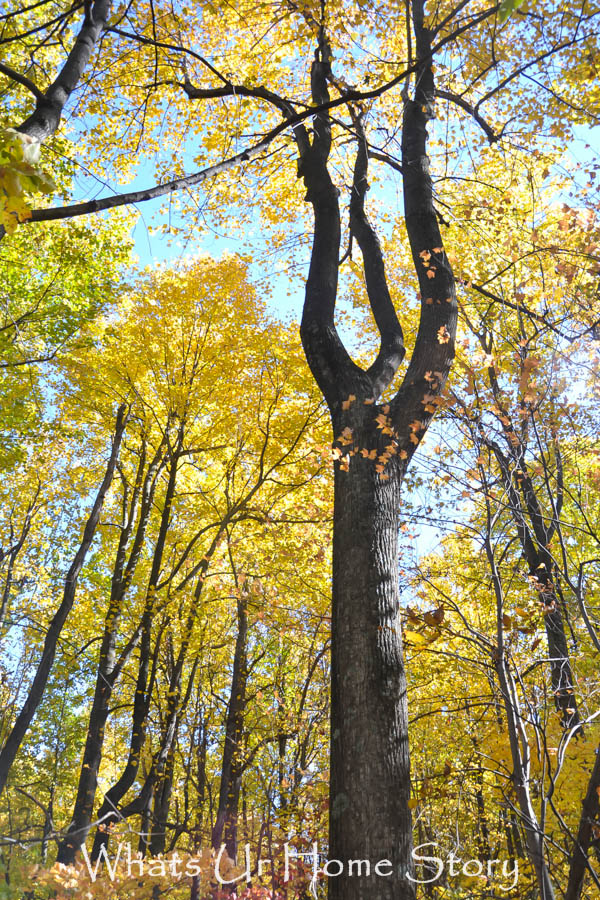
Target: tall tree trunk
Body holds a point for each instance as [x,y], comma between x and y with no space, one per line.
[225,827]
[370,783]
[109,668]
[534,537]
[373,444]
[587,832]
[162,804]
[109,808]
[108,812]
[517,737]
[38,686]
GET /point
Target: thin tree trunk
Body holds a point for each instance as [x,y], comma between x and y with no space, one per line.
[108,812]
[162,804]
[109,668]
[519,745]
[225,827]
[534,538]
[36,692]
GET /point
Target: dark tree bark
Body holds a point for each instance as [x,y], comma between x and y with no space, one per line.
[162,803]
[587,832]
[534,537]
[38,686]
[109,666]
[45,119]
[225,827]
[109,811]
[373,442]
[109,808]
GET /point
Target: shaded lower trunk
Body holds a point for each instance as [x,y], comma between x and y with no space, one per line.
[370,768]
[109,812]
[162,805]
[92,755]
[225,827]
[587,833]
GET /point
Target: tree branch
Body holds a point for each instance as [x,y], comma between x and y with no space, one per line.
[434,348]
[331,365]
[464,104]
[392,350]
[45,119]
[22,80]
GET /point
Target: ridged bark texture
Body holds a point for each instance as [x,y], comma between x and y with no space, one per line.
[370,767]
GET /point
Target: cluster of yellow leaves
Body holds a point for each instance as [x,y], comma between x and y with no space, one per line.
[428,625]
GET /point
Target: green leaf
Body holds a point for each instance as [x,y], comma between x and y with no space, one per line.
[507,7]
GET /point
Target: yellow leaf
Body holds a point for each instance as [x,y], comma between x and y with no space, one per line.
[415,637]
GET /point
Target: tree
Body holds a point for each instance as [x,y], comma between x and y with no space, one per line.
[373,442]
[36,691]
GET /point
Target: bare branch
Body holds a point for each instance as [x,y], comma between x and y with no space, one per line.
[392,350]
[22,80]
[492,136]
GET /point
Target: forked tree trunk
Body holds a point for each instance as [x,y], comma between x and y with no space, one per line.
[369,812]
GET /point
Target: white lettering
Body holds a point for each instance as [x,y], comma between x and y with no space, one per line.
[192,868]
[383,862]
[102,858]
[359,863]
[424,860]
[330,862]
[506,872]
[247,874]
